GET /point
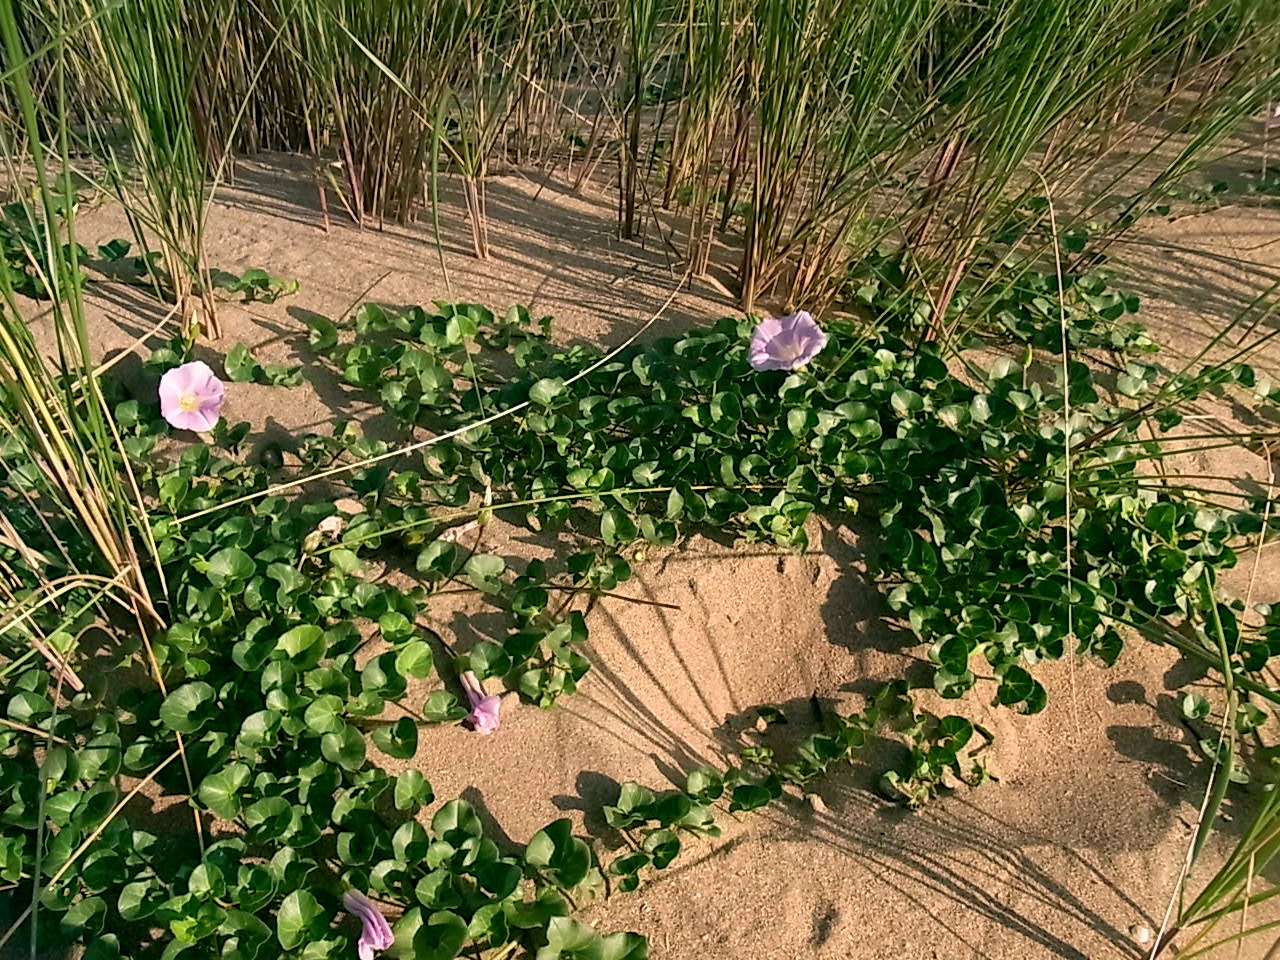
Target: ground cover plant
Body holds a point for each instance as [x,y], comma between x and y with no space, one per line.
[205,658]
[279,660]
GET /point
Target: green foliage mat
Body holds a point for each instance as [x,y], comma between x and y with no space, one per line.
[1016,523]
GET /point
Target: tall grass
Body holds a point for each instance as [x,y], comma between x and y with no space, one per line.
[61,447]
[805,133]
[830,122]
[496,63]
[381,127]
[56,415]
[147,53]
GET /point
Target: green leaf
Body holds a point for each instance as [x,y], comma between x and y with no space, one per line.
[187,708]
[302,645]
[726,407]
[85,918]
[616,527]
[442,707]
[240,365]
[380,677]
[322,333]
[437,890]
[395,626]
[545,391]
[456,822]
[501,878]
[229,567]
[113,250]
[94,806]
[324,714]
[484,571]
[1017,687]
[218,791]
[345,748]
[489,923]
[414,659]
[749,796]
[206,881]
[572,939]
[906,402]
[629,864]
[282,375]
[439,936]
[663,846]
[139,899]
[412,790]
[258,731]
[438,559]
[487,659]
[409,843]
[558,853]
[269,817]
[298,920]
[371,318]
[705,785]
[1195,707]
[624,946]
[398,740]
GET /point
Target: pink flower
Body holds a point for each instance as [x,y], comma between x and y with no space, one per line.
[484,707]
[785,343]
[191,397]
[376,934]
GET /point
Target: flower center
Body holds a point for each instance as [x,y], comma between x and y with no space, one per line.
[790,349]
[188,403]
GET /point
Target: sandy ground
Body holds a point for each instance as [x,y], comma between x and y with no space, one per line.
[1081,839]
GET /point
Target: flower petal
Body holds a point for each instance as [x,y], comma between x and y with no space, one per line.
[376,932]
[192,382]
[484,714]
[194,420]
[785,343]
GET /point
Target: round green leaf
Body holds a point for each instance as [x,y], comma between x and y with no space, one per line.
[324,714]
[302,645]
[269,817]
[545,391]
[412,790]
[229,567]
[488,660]
[438,936]
[398,740]
[345,748]
[218,791]
[185,709]
[299,917]
[624,946]
[414,659]
[455,822]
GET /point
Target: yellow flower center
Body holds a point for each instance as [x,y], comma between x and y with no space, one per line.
[188,403]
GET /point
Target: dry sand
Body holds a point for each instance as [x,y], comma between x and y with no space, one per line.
[1084,833]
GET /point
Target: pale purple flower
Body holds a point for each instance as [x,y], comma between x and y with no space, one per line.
[484,707]
[1273,118]
[191,397]
[785,343]
[376,934]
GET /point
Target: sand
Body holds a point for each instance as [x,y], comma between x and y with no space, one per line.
[1080,840]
